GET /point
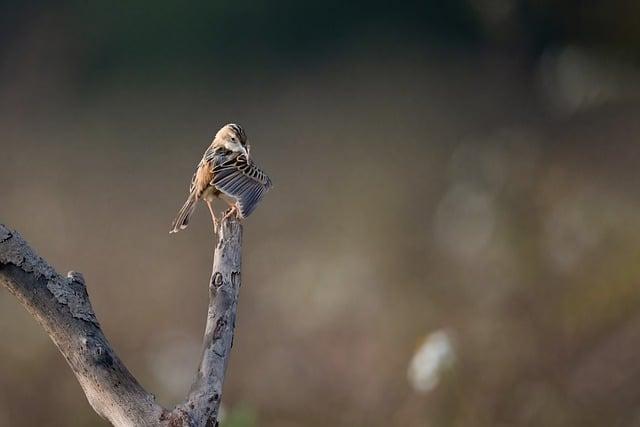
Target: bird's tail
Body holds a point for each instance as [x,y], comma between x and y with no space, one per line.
[184,214]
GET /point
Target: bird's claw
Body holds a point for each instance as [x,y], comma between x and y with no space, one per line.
[231,211]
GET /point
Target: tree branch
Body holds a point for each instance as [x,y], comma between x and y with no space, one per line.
[62,306]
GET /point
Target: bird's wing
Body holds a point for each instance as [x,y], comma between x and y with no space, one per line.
[240,178]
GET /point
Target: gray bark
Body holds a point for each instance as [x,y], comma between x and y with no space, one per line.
[62,306]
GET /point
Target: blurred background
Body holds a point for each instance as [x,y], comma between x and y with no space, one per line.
[453,238]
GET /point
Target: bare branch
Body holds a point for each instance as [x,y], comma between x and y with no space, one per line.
[203,401]
[62,306]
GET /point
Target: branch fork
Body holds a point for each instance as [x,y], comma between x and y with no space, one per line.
[62,307]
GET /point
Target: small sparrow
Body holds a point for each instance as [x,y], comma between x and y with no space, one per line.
[226,171]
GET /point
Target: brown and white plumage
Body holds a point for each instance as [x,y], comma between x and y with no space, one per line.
[226,169]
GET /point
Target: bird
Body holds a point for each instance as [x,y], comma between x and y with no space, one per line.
[228,172]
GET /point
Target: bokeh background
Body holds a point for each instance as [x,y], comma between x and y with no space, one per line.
[453,238]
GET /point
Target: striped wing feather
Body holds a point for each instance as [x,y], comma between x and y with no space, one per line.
[242,180]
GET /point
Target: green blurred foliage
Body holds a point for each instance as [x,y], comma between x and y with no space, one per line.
[240,416]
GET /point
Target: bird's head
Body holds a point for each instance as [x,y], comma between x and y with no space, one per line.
[232,138]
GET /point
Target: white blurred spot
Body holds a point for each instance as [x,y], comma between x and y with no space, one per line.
[432,357]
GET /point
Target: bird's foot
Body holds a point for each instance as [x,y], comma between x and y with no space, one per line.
[233,210]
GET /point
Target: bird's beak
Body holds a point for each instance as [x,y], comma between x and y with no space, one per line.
[246,151]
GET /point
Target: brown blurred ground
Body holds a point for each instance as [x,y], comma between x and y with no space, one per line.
[416,190]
